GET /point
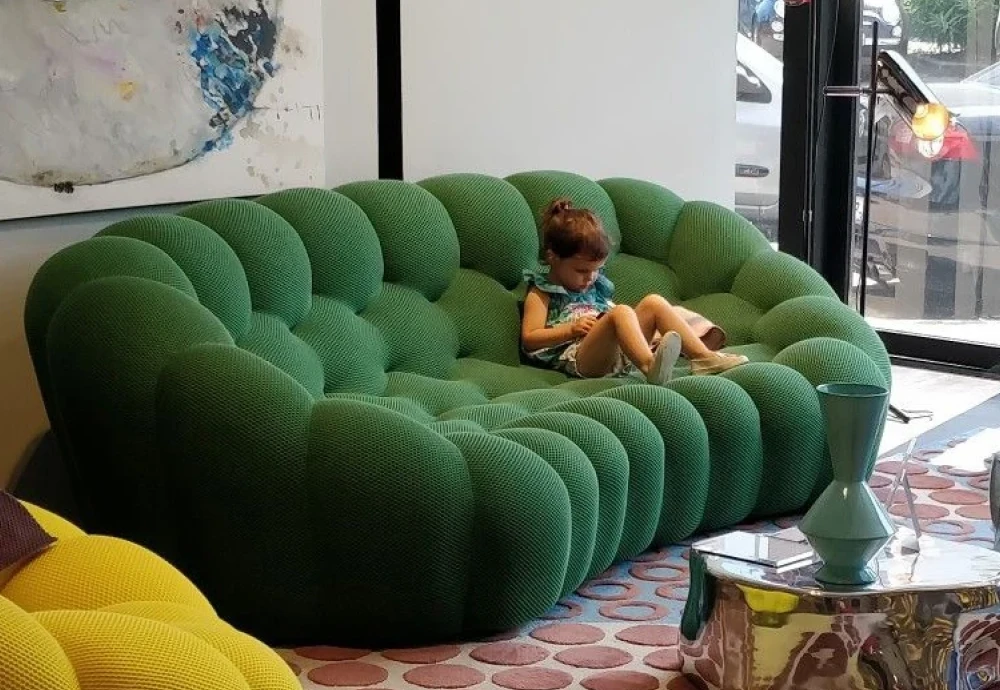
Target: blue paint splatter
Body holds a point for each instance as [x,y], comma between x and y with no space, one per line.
[233,65]
[223,141]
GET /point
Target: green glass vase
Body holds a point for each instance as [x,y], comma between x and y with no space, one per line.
[847,525]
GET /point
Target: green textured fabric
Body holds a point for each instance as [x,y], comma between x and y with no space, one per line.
[212,386]
[79,264]
[497,380]
[580,480]
[419,244]
[109,381]
[350,348]
[316,403]
[738,315]
[540,188]
[419,336]
[735,448]
[770,278]
[522,533]
[211,265]
[635,277]
[273,257]
[644,452]
[709,246]
[650,213]
[609,460]
[685,457]
[803,318]
[485,316]
[495,226]
[788,409]
[416,533]
[345,256]
[829,360]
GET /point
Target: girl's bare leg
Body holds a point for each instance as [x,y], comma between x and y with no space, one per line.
[656,314]
[618,331]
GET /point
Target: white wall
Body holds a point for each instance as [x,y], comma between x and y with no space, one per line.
[351,153]
[637,88]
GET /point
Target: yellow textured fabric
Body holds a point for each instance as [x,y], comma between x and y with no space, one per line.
[139,575]
[113,651]
[153,630]
[261,668]
[58,527]
[30,658]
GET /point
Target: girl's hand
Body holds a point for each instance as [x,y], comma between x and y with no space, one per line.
[582,326]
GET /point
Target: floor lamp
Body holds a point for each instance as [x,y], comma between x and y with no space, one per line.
[893,77]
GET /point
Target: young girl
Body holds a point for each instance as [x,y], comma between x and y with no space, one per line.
[571,324]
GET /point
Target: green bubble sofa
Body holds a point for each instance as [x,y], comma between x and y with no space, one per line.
[314,404]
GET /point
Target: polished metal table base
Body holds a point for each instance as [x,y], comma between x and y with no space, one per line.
[932,622]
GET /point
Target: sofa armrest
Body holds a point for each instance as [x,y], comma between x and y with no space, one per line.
[769,278]
[805,318]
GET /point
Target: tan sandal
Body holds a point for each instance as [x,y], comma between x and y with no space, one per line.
[716,363]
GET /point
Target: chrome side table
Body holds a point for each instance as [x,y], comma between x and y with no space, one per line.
[931,621]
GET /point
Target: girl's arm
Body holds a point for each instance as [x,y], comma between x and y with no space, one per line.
[534,334]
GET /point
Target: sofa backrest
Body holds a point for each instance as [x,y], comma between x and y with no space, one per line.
[337,288]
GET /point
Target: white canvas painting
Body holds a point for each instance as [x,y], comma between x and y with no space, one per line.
[117,103]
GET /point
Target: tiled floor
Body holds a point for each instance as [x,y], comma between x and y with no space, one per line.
[944,395]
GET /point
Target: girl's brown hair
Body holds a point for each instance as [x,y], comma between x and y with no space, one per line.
[569,232]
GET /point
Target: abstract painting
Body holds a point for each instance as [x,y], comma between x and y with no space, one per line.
[120,103]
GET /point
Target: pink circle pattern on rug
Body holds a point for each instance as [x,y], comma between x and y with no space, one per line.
[877,481]
[590,590]
[981,483]
[326,653]
[562,611]
[509,654]
[979,512]
[956,472]
[444,676]
[597,656]
[423,655]
[347,673]
[658,572]
[925,511]
[629,611]
[568,633]
[891,467]
[650,635]
[621,680]
[664,659]
[532,679]
[672,593]
[951,528]
[958,497]
[930,482]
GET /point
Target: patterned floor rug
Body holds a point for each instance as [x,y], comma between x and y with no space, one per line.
[619,631]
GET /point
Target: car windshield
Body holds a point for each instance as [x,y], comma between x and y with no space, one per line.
[989,76]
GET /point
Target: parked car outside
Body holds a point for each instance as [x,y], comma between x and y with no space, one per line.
[763,22]
[758,141]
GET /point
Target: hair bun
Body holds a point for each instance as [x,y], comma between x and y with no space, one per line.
[559,206]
